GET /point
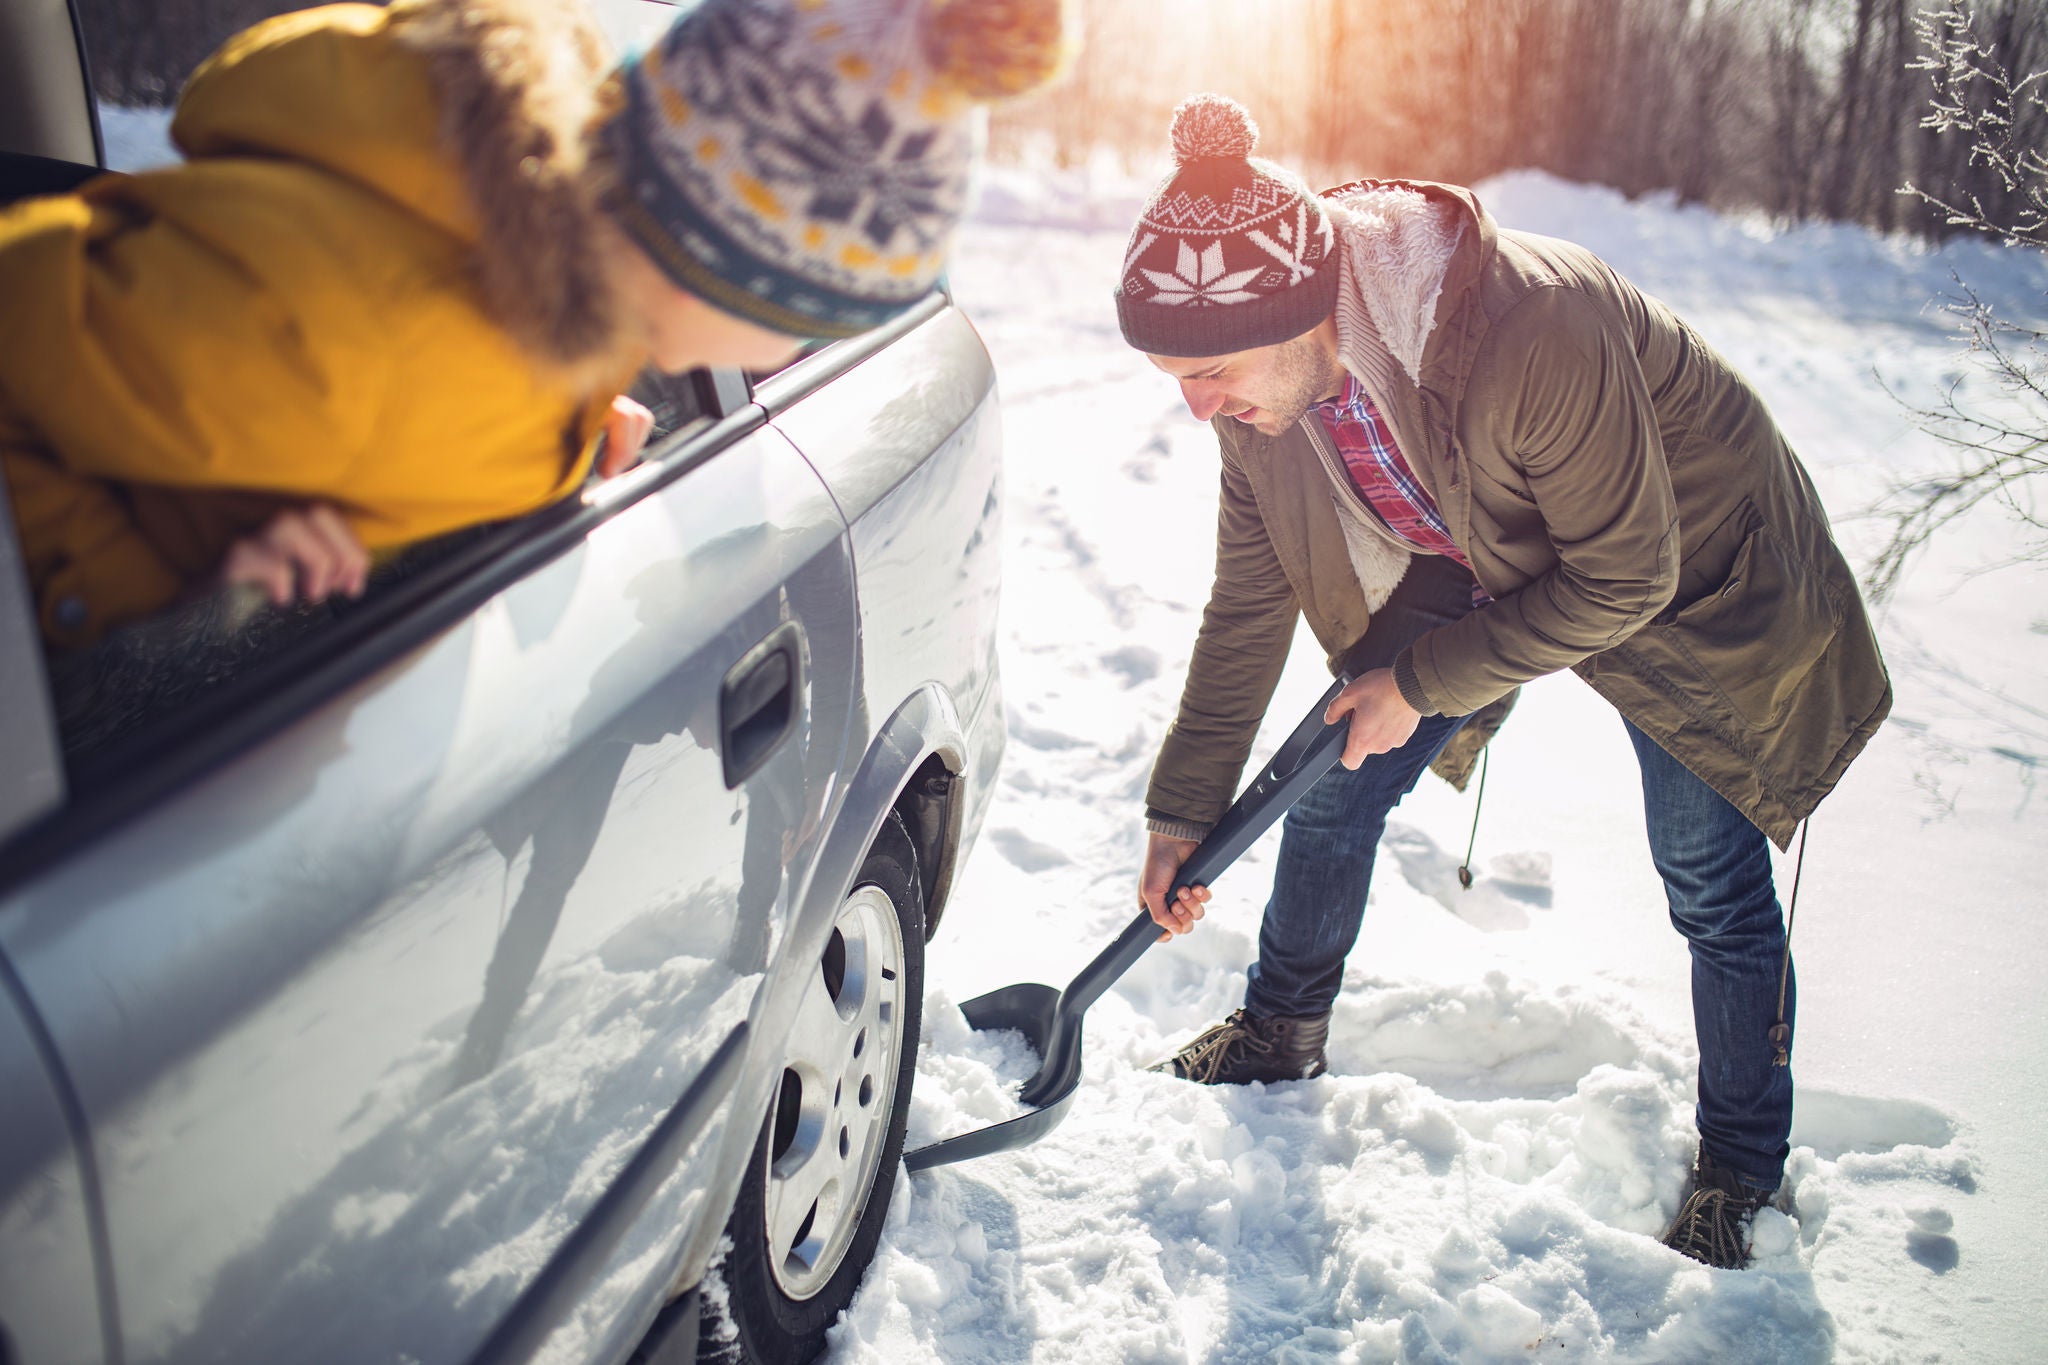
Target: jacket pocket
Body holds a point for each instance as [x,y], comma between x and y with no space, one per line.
[1748,643]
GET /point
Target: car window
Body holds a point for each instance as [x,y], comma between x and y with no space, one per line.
[679,402]
[147,677]
[140,53]
[146,680]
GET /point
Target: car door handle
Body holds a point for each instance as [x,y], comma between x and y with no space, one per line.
[757,702]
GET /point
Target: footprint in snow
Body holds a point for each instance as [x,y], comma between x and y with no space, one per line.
[1929,1242]
[1835,1125]
[1143,467]
[1135,664]
[1026,853]
[1855,1158]
[1502,891]
[1041,736]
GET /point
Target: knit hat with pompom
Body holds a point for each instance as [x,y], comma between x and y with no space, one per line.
[1232,252]
[801,164]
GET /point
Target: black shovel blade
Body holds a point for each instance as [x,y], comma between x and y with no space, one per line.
[1032,1010]
[1050,1020]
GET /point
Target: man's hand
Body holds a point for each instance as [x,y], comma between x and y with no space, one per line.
[626,429]
[1163,857]
[303,555]
[1381,719]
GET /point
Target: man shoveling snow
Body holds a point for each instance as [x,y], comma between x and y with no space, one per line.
[1472,457]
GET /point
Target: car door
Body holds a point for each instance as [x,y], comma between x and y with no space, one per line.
[365,1017]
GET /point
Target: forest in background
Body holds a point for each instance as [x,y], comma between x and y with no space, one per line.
[1802,109]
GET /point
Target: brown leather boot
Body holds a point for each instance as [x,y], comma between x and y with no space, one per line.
[1712,1225]
[1247,1047]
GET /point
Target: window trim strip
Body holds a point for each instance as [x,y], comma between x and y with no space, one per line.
[777,392]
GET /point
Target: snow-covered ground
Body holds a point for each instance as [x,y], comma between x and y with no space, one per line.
[1508,1116]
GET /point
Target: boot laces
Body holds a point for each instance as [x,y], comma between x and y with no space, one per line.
[1214,1052]
[1709,1228]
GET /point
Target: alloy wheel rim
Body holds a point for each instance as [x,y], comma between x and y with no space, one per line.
[838,1089]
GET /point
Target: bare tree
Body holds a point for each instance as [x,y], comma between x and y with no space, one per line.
[1999,449]
[1800,108]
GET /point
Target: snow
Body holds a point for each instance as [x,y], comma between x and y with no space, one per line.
[136,139]
[1507,1120]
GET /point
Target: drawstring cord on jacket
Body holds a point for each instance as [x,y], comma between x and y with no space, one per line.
[1781,1032]
[1465,868]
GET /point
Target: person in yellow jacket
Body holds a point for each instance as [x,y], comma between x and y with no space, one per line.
[414,253]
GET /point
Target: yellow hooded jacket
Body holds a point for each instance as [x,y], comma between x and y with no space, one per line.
[301,311]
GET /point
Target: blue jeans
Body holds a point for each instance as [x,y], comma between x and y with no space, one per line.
[1715,865]
[1329,837]
[1716,868]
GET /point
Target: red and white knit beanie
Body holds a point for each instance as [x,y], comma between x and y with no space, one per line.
[1232,252]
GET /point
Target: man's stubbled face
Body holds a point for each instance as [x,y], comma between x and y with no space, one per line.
[1268,388]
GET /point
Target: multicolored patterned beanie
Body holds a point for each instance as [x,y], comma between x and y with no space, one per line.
[1232,252]
[801,164]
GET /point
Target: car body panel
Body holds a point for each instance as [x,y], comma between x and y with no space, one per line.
[269,992]
[49,1310]
[358,1022]
[912,452]
[945,701]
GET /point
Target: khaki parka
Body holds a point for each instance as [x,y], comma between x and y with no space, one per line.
[1620,491]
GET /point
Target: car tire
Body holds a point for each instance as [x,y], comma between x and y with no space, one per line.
[811,1205]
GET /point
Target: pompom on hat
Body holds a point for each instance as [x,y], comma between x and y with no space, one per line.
[801,164]
[1232,252]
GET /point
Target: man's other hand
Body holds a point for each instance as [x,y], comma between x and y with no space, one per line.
[626,429]
[1381,720]
[1163,857]
[306,554]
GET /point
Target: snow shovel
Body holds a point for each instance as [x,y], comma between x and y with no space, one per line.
[1050,1020]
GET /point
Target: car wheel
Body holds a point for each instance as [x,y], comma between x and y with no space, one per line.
[811,1205]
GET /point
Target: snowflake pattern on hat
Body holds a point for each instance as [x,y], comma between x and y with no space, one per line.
[1284,224]
[1200,279]
[797,128]
[796,162]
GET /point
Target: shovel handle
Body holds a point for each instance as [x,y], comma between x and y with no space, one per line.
[1298,764]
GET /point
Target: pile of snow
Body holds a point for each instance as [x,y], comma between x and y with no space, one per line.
[1508,1117]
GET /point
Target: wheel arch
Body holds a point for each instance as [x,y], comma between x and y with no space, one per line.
[912,768]
[933,815]
[922,740]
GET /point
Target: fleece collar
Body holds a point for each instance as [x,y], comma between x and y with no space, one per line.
[1397,244]
[1396,247]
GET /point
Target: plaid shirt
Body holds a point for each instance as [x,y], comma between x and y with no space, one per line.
[1383,478]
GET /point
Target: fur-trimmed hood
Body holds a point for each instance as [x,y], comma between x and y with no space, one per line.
[377,281]
[515,85]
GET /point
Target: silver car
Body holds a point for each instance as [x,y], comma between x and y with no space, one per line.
[524,962]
